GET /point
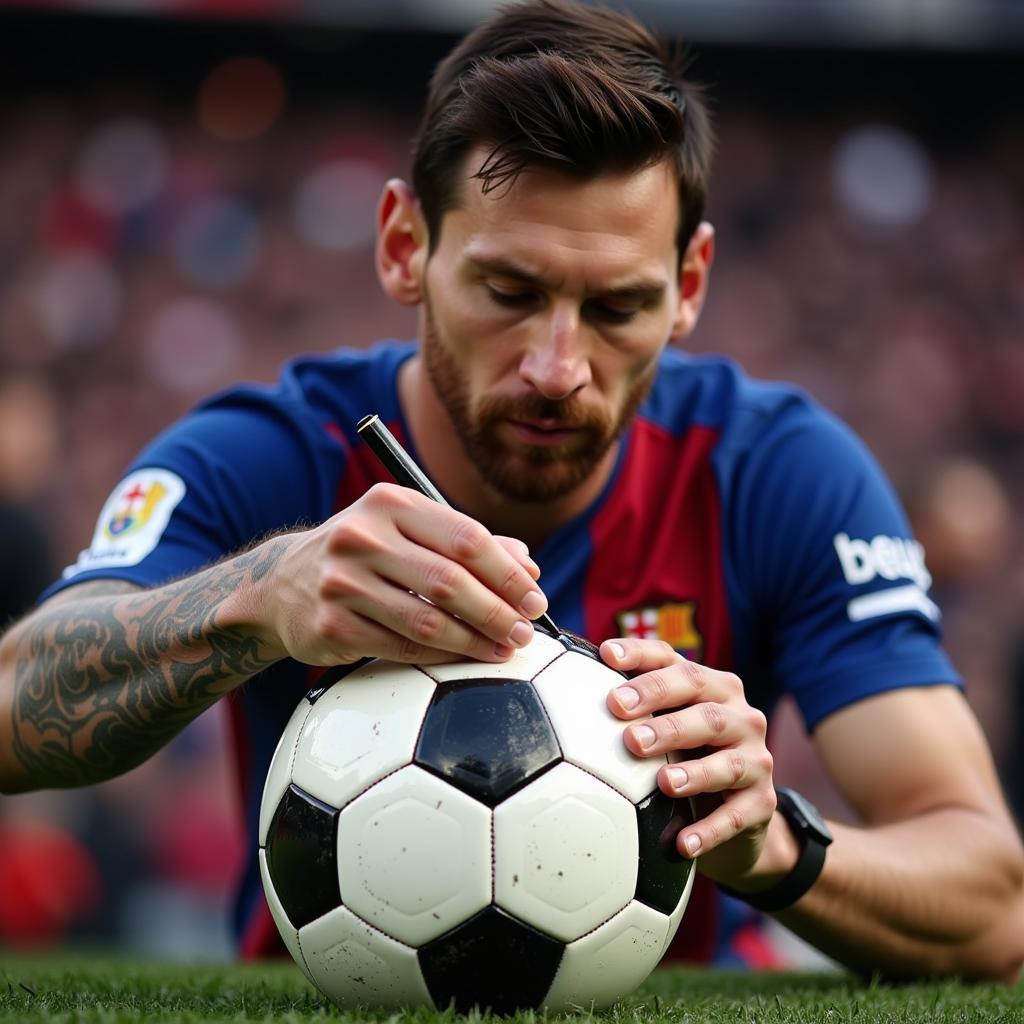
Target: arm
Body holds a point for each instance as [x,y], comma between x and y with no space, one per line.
[932,882]
[102,675]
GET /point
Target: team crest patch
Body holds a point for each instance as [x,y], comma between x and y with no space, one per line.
[675,623]
[132,521]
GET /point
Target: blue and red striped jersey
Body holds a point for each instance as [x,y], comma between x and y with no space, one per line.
[742,523]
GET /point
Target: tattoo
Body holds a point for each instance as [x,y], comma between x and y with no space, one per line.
[103,682]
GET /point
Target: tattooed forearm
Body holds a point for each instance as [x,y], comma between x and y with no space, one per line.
[103,682]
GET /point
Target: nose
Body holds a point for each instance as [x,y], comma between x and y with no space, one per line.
[556,363]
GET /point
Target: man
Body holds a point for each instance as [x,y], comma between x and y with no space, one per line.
[553,241]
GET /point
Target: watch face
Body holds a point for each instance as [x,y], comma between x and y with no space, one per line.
[803,814]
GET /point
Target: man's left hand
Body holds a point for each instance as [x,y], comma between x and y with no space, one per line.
[716,742]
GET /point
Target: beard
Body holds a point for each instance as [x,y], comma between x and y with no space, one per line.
[520,471]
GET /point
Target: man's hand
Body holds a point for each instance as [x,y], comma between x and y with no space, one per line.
[717,740]
[398,576]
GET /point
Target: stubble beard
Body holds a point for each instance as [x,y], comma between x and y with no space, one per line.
[523,472]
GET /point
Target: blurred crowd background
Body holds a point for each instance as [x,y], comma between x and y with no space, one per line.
[187,200]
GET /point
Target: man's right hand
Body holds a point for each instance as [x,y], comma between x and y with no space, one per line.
[398,576]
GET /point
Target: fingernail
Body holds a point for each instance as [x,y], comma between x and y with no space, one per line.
[503,650]
[692,844]
[533,604]
[628,697]
[618,650]
[644,735]
[521,634]
[677,777]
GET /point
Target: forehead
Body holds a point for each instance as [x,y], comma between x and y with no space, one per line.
[612,220]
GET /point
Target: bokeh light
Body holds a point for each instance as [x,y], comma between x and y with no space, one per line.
[217,242]
[78,299]
[240,99]
[192,345]
[333,206]
[882,176]
[122,165]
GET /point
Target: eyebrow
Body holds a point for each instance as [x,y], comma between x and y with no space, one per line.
[644,290]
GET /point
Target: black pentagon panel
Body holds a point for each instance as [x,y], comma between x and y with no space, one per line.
[302,856]
[487,737]
[663,871]
[491,961]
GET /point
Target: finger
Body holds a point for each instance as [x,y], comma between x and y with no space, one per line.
[400,625]
[463,540]
[521,553]
[745,811]
[670,685]
[706,724]
[722,771]
[450,586]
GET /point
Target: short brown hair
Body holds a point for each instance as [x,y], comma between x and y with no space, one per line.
[554,83]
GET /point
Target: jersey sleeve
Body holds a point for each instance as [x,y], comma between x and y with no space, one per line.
[212,484]
[834,581]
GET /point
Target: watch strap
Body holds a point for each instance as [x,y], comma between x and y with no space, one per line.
[813,840]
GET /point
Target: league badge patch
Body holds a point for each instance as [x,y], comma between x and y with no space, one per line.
[674,623]
[132,521]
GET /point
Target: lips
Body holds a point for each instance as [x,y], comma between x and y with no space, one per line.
[542,433]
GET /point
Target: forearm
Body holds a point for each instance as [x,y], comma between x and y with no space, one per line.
[91,687]
[939,894]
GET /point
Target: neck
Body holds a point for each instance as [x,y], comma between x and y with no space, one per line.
[446,463]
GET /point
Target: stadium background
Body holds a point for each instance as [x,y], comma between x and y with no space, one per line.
[186,199]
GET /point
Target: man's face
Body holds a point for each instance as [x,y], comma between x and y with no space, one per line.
[545,309]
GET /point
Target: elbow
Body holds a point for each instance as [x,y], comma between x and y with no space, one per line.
[996,953]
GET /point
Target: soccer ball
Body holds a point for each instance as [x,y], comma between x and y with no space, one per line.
[471,835]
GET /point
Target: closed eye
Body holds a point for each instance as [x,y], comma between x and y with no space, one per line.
[610,314]
[512,300]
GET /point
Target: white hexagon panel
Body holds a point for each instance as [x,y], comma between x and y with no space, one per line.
[524,664]
[565,853]
[356,965]
[615,958]
[279,775]
[414,856]
[574,689]
[359,730]
[289,935]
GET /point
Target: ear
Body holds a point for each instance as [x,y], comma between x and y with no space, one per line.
[693,279]
[401,251]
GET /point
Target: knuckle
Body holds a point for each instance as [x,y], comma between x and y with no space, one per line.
[407,650]
[352,534]
[468,538]
[335,584]
[667,650]
[657,688]
[426,623]
[733,681]
[737,820]
[766,763]
[327,626]
[442,581]
[769,801]
[714,718]
[695,676]
[737,767]
[494,613]
[714,832]
[758,721]
[667,728]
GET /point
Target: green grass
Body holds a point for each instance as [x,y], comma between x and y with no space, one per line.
[89,990]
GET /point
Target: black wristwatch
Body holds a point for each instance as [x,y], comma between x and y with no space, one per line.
[813,836]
